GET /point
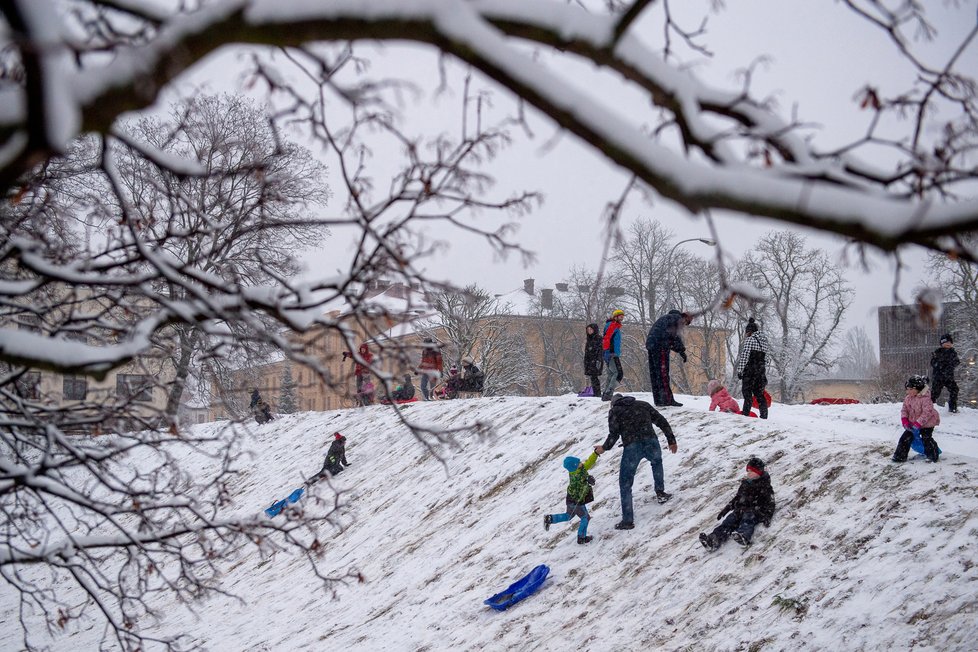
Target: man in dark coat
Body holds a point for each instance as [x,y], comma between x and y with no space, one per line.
[942,364]
[751,368]
[335,457]
[633,421]
[593,358]
[753,504]
[473,378]
[664,337]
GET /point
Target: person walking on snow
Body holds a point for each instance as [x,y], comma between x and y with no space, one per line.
[360,370]
[431,367]
[942,364]
[633,420]
[751,368]
[593,360]
[753,504]
[664,337]
[919,418]
[611,352]
[579,493]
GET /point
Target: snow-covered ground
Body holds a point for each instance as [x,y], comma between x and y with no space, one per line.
[862,554]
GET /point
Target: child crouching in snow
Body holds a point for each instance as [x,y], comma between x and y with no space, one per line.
[919,418]
[720,398]
[579,493]
[753,504]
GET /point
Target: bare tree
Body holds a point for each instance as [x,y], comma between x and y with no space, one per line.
[857,358]
[958,280]
[807,295]
[478,327]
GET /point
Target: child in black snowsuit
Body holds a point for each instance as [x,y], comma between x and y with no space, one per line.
[942,364]
[753,504]
[335,457]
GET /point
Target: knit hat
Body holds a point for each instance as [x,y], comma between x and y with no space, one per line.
[917,382]
[751,326]
[713,387]
[337,435]
[615,313]
[946,337]
[755,465]
[571,464]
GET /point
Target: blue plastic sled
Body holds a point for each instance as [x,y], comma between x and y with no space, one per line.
[917,444]
[520,589]
[279,505]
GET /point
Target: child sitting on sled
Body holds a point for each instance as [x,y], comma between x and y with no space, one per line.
[579,493]
[753,504]
[919,418]
[720,398]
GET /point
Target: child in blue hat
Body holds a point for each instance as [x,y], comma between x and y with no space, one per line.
[579,493]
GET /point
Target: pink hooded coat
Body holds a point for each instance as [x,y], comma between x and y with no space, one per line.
[920,409]
[721,399]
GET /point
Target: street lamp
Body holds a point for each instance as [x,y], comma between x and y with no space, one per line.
[707,242]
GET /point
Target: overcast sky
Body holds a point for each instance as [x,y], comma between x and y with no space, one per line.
[821,54]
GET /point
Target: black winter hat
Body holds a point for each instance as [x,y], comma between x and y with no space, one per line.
[751,326]
[946,337]
[917,382]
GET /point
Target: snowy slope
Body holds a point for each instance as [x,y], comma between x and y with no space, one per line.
[862,554]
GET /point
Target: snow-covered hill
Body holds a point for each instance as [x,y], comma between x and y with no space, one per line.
[862,554]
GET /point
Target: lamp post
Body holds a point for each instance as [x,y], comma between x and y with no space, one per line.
[669,285]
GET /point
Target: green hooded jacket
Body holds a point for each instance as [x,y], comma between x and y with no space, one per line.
[577,486]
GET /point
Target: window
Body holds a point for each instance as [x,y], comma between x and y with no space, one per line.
[137,387]
[29,385]
[75,389]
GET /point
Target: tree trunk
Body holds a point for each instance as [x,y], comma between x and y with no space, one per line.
[188,344]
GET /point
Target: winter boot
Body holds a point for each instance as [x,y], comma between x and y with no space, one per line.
[547,521]
[583,540]
[740,539]
[606,396]
[624,525]
[662,497]
[709,541]
[674,403]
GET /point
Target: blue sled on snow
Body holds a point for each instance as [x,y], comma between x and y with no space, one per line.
[279,505]
[917,444]
[520,589]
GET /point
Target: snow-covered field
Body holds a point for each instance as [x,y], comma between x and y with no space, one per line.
[862,554]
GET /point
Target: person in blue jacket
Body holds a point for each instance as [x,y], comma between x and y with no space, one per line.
[664,337]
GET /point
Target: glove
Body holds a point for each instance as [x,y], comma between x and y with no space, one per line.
[906,423]
[722,514]
[740,376]
[682,354]
[621,372]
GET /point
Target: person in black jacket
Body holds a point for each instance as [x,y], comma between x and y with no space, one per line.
[633,421]
[664,337]
[751,367]
[335,458]
[753,504]
[942,364]
[593,358]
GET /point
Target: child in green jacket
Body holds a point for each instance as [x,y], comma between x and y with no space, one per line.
[578,495]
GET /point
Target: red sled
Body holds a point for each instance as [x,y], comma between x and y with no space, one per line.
[834,401]
[767,399]
[400,401]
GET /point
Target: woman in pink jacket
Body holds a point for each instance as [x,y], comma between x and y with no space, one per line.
[918,417]
[720,398]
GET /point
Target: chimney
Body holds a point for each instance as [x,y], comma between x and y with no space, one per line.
[562,287]
[547,299]
[528,286]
